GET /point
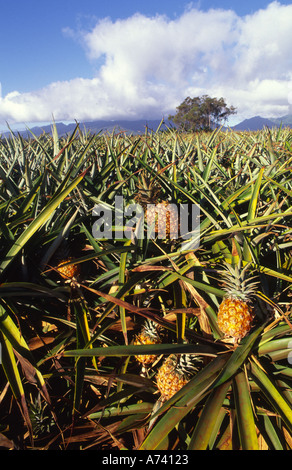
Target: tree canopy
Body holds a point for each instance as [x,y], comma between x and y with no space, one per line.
[201,112]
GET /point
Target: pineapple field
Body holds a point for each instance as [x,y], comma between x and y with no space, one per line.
[156,342]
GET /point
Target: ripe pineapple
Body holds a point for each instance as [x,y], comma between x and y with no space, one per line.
[236,313]
[174,373]
[160,215]
[148,335]
[69,272]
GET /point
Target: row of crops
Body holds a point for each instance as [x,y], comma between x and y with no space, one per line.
[70,377]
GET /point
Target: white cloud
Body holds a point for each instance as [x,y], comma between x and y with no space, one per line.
[148,65]
[264,45]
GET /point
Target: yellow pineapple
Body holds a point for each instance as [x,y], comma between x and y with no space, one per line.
[148,335]
[175,372]
[160,215]
[68,271]
[236,312]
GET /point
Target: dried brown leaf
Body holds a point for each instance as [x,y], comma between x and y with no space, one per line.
[40,341]
[6,443]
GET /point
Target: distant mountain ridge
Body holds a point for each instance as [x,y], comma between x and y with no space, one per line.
[254,124]
[285,120]
[257,123]
[133,127]
[139,126]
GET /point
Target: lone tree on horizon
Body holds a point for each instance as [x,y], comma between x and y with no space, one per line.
[201,112]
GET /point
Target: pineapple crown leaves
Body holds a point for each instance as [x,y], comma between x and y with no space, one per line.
[185,364]
[151,329]
[237,281]
[149,187]
[147,190]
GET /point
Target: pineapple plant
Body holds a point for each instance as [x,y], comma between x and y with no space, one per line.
[160,215]
[148,335]
[174,373]
[236,312]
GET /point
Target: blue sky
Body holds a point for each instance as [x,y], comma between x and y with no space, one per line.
[129,59]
